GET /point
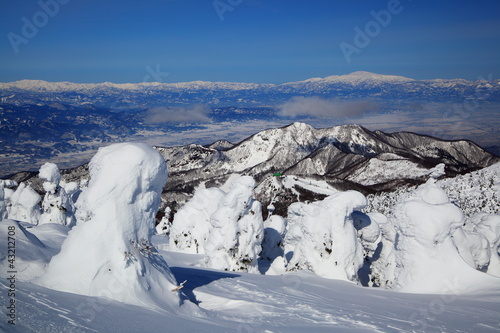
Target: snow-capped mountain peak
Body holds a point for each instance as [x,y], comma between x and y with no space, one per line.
[361,76]
[357,85]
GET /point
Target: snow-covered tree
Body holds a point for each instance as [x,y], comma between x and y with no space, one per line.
[236,231]
[368,229]
[24,204]
[110,253]
[321,236]
[274,232]
[418,250]
[163,227]
[73,190]
[191,223]
[489,227]
[57,205]
[438,171]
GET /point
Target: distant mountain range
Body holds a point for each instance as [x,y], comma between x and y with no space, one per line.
[340,158]
[357,85]
[43,120]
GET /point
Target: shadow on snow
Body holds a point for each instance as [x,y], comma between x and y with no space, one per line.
[196,277]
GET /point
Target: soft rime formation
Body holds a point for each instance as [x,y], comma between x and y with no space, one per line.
[191,224]
[24,204]
[236,229]
[421,243]
[368,229]
[274,232]
[57,205]
[321,236]
[418,249]
[474,192]
[163,228]
[485,245]
[109,252]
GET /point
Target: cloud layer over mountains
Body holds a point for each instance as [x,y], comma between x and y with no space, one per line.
[326,107]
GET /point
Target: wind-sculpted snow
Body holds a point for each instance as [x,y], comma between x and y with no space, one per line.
[321,237]
[272,243]
[31,255]
[109,253]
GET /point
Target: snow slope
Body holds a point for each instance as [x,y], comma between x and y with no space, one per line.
[241,302]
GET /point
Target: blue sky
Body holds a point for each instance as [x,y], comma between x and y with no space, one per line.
[272,41]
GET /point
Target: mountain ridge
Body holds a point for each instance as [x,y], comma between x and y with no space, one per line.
[357,76]
[343,157]
[357,85]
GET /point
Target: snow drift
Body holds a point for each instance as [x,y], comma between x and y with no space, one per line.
[109,253]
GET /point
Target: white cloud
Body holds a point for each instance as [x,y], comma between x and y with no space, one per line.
[325,107]
[178,114]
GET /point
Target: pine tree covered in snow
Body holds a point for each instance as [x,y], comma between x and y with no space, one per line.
[475,192]
[236,229]
[191,223]
[109,253]
[274,233]
[419,252]
[57,205]
[486,252]
[321,236]
[24,204]
[163,227]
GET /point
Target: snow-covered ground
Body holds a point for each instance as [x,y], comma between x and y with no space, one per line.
[243,302]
